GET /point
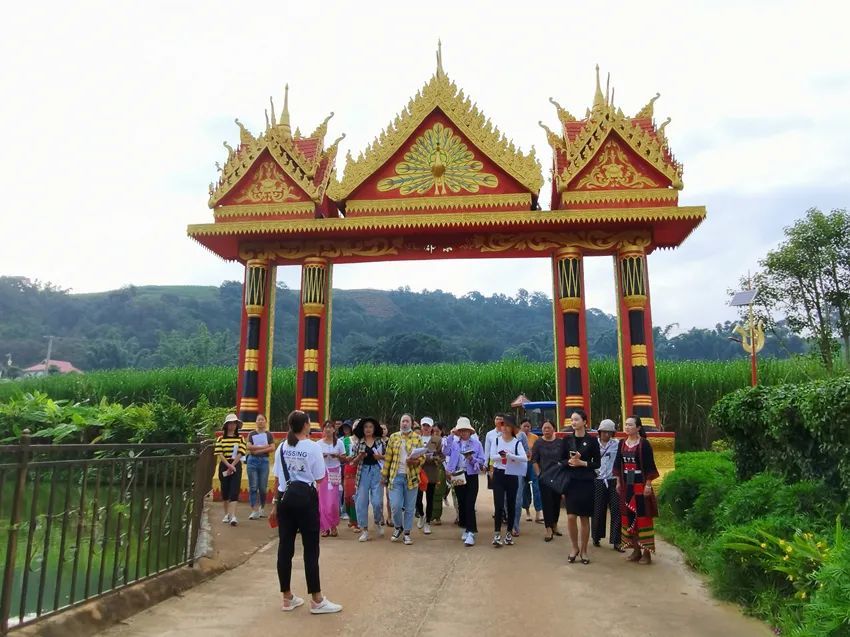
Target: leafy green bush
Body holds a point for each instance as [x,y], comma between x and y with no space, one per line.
[695,474]
[797,431]
[828,613]
[768,494]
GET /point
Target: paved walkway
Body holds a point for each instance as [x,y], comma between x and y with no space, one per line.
[439,588]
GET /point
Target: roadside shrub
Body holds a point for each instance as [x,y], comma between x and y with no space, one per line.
[796,431]
[828,613]
[696,474]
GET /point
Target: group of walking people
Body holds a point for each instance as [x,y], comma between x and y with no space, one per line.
[422,464]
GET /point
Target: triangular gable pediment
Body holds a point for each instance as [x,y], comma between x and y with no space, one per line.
[438,167]
[439,111]
[265,182]
[615,165]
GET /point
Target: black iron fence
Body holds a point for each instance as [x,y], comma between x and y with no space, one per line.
[78,521]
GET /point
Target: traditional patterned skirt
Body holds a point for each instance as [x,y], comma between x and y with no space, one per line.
[636,524]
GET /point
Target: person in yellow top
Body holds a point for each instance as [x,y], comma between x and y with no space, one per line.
[404,457]
[230,449]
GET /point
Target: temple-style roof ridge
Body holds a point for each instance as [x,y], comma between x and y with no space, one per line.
[305,160]
[440,93]
[581,139]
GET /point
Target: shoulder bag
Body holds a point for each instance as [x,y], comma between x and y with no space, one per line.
[556,477]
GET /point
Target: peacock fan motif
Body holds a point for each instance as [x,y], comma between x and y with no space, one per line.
[438,160]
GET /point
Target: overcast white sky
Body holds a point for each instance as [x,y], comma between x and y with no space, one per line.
[113,114]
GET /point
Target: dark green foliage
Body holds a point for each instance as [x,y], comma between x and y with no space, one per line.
[769,544]
[167,326]
[799,432]
[696,474]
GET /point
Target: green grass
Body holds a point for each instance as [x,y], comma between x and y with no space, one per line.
[687,390]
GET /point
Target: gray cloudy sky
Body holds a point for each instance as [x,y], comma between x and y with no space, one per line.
[113,114]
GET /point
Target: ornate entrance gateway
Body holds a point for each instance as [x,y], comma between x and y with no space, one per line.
[442,182]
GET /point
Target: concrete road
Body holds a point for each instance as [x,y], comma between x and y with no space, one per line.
[439,588]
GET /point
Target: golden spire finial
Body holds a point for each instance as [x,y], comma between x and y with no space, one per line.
[440,71]
[599,98]
[649,109]
[284,115]
[608,89]
[271,102]
[266,111]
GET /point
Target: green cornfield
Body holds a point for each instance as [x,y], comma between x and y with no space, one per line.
[687,390]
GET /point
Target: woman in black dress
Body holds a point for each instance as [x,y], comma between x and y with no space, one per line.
[583,453]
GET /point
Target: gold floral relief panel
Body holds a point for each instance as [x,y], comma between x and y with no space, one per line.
[439,161]
[266,184]
[612,168]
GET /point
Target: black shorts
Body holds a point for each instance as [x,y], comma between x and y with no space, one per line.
[230,485]
[580,498]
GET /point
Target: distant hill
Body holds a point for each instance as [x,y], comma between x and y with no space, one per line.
[156,326]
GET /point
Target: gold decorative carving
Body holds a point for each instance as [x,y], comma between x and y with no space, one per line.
[313,309]
[309,404]
[572,357]
[603,120]
[642,400]
[439,203]
[544,241]
[440,93]
[618,196]
[639,357]
[266,186]
[573,401]
[612,169]
[311,174]
[248,404]
[264,210]
[327,248]
[436,160]
[570,304]
[465,220]
[635,301]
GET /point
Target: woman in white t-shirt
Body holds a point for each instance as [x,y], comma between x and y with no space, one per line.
[332,450]
[509,462]
[299,470]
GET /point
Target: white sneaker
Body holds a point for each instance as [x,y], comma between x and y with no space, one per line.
[226,519]
[291,604]
[254,515]
[427,529]
[381,530]
[407,539]
[497,540]
[509,540]
[364,537]
[233,521]
[262,512]
[463,535]
[324,607]
[396,536]
[344,516]
[470,539]
[420,522]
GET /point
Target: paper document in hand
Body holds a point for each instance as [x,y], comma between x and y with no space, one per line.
[416,453]
[235,450]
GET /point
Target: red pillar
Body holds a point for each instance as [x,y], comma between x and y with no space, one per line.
[255,340]
[637,352]
[572,381]
[313,366]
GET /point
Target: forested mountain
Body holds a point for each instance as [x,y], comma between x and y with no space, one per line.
[159,326]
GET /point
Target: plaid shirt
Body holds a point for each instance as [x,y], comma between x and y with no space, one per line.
[378,446]
[393,456]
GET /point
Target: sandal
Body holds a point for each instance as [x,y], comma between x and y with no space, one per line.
[572,558]
[584,561]
[558,533]
[334,533]
[549,536]
[325,533]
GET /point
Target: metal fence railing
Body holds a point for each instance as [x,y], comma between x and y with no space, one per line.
[78,521]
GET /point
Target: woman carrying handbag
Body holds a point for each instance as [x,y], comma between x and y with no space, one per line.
[299,470]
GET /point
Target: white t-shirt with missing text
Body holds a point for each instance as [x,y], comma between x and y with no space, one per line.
[339,447]
[304,462]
